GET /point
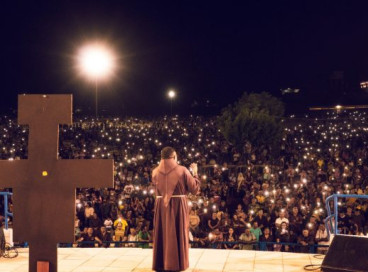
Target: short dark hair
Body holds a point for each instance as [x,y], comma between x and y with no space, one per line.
[167,152]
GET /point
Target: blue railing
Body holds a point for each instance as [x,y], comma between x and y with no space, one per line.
[6,211]
[259,246]
[333,227]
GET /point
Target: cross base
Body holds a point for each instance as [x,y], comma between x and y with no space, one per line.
[43,266]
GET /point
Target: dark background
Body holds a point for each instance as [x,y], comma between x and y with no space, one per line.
[209,51]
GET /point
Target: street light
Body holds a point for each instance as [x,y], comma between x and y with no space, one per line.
[96,61]
[171,95]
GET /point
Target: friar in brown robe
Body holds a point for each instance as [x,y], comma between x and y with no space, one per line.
[171,219]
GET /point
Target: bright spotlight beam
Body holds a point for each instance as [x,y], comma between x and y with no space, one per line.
[171,94]
[96,61]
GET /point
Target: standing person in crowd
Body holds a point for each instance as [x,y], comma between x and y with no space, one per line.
[282,236]
[216,237]
[322,239]
[119,234]
[261,219]
[247,240]
[266,239]
[89,239]
[88,211]
[231,238]
[194,221]
[171,219]
[94,222]
[144,236]
[281,219]
[122,221]
[132,237]
[105,237]
[214,222]
[296,220]
[256,230]
[108,225]
[306,241]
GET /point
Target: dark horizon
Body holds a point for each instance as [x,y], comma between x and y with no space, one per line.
[205,51]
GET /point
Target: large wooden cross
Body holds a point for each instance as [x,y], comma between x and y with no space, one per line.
[44,186]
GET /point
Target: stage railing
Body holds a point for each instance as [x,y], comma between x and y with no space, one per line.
[332,226]
[261,246]
[6,211]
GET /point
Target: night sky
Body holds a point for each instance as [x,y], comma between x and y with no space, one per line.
[206,50]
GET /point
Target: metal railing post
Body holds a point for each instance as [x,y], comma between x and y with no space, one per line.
[336,213]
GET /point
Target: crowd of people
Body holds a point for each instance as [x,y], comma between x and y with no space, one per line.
[250,198]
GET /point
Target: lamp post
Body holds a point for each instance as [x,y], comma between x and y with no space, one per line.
[96,62]
[171,95]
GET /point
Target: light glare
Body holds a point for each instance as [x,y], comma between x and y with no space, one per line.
[96,61]
[171,94]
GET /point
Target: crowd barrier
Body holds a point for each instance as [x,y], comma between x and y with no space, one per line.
[260,246]
[7,214]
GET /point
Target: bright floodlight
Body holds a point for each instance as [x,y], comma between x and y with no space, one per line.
[96,61]
[171,94]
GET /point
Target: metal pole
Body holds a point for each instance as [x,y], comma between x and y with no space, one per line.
[336,213]
[96,106]
[171,106]
[6,210]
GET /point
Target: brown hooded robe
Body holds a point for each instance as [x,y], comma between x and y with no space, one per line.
[171,220]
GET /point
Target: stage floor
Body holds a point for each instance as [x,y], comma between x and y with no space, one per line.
[136,259]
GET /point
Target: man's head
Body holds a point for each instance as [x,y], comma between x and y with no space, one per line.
[295,210]
[103,230]
[168,153]
[305,232]
[283,225]
[349,210]
[90,231]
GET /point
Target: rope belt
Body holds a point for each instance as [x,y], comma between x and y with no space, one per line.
[160,196]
